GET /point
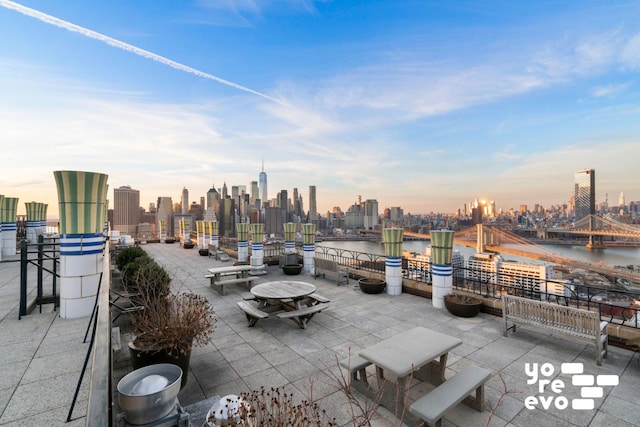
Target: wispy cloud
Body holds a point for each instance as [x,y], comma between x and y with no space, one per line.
[630,54]
[125,46]
[609,90]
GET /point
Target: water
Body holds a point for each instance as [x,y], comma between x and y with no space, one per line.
[612,256]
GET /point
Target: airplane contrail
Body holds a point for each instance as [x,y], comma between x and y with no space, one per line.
[124,46]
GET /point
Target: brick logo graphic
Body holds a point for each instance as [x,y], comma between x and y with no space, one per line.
[550,390]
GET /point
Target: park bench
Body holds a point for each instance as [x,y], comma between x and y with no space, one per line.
[325,267]
[577,323]
[436,403]
[252,312]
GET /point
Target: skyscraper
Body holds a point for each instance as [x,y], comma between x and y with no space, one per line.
[283,204]
[313,209]
[126,210]
[165,213]
[370,214]
[585,193]
[255,194]
[213,198]
[262,183]
[185,201]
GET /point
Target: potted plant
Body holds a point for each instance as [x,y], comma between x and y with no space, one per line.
[462,305]
[169,325]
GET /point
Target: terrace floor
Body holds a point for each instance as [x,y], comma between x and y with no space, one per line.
[41,356]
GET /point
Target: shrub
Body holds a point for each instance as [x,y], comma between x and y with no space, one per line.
[128,254]
[274,407]
[146,277]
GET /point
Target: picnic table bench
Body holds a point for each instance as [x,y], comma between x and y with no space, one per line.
[577,323]
[220,276]
[304,314]
[436,403]
[252,312]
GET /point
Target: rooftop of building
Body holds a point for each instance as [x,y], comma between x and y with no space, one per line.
[42,355]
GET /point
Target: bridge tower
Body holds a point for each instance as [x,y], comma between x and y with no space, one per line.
[479,239]
[595,242]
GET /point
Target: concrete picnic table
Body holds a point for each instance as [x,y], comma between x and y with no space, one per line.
[417,353]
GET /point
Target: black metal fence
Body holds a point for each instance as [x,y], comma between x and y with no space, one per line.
[353,259]
[45,256]
[620,307]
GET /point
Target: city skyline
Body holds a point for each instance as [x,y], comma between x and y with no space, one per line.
[425,106]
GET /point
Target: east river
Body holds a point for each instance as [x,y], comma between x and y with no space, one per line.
[612,256]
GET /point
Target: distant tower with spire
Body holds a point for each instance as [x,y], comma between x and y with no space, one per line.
[262,185]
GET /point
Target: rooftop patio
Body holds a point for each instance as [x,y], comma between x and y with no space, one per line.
[42,355]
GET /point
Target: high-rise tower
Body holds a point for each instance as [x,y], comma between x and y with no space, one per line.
[262,184]
[254,193]
[185,201]
[213,198]
[585,193]
[126,210]
[313,210]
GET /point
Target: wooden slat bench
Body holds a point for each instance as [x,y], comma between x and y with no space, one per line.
[581,324]
[252,312]
[248,296]
[304,314]
[324,267]
[434,405]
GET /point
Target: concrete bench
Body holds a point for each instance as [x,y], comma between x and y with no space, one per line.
[583,325]
[435,404]
[325,267]
[252,312]
[356,365]
[304,314]
[219,285]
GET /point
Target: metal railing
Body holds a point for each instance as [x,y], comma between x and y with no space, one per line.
[46,253]
[100,388]
[352,259]
[612,304]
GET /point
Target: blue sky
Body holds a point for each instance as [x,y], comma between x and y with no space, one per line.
[420,104]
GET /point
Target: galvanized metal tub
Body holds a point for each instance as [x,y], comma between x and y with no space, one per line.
[150,393]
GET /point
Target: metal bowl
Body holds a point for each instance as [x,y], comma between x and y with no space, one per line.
[150,393]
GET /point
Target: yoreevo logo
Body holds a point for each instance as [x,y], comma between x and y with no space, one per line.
[550,390]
